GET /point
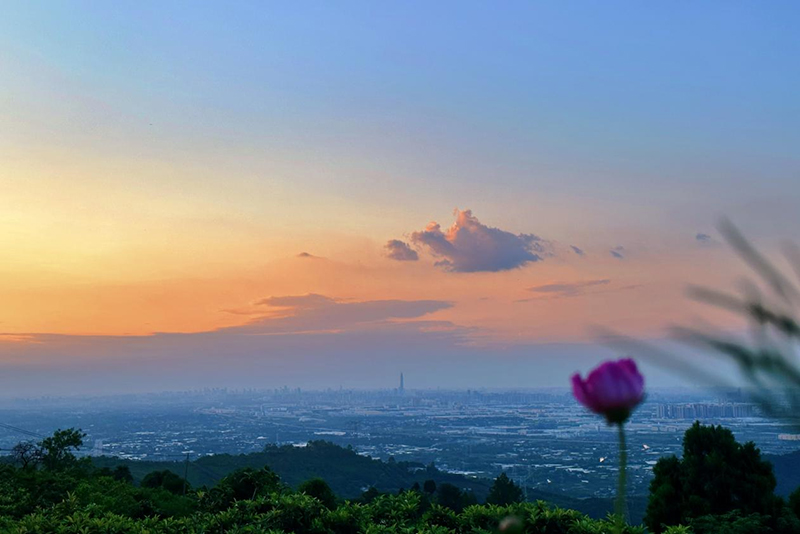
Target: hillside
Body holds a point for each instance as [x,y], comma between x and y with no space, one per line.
[349,474]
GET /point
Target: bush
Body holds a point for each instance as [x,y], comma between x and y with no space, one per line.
[165,479]
[73,499]
[320,490]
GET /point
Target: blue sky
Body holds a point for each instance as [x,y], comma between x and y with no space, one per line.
[166,162]
[647,92]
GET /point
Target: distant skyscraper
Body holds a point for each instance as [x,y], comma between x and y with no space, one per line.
[402,384]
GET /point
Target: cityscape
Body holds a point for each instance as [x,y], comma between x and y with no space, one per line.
[364,267]
[541,438]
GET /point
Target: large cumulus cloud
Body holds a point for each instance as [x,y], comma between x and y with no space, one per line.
[470,246]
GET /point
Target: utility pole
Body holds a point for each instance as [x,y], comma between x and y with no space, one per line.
[185,473]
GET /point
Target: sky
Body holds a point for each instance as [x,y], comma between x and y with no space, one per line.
[315,194]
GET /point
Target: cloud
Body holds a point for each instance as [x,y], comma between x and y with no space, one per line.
[318,313]
[400,251]
[617,252]
[310,300]
[575,289]
[298,339]
[306,255]
[705,240]
[18,338]
[568,289]
[577,250]
[470,246]
[242,311]
[429,355]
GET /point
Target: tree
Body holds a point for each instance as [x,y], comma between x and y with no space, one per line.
[731,523]
[56,451]
[794,502]
[165,479]
[716,475]
[504,491]
[248,483]
[449,496]
[26,454]
[320,490]
[468,498]
[429,486]
[240,485]
[123,474]
[452,497]
[370,495]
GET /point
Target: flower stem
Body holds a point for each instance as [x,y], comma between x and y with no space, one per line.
[621,504]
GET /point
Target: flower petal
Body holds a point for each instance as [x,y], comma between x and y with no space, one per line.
[579,390]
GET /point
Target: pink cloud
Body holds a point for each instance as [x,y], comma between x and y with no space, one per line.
[470,246]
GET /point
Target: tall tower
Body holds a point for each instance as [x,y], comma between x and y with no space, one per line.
[402,384]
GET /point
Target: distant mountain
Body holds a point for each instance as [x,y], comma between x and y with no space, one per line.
[349,474]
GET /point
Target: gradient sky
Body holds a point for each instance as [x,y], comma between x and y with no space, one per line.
[241,194]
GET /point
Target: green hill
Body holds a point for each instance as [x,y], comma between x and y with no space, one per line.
[349,474]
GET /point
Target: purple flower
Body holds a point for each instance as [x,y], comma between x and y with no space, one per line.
[613,390]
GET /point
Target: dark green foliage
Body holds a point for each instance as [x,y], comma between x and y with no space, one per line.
[665,506]
[56,451]
[452,497]
[716,475]
[449,496]
[320,490]
[794,502]
[370,495]
[250,483]
[165,479]
[504,491]
[24,491]
[123,474]
[26,454]
[290,512]
[124,499]
[730,523]
[82,500]
[784,522]
[348,473]
[241,485]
